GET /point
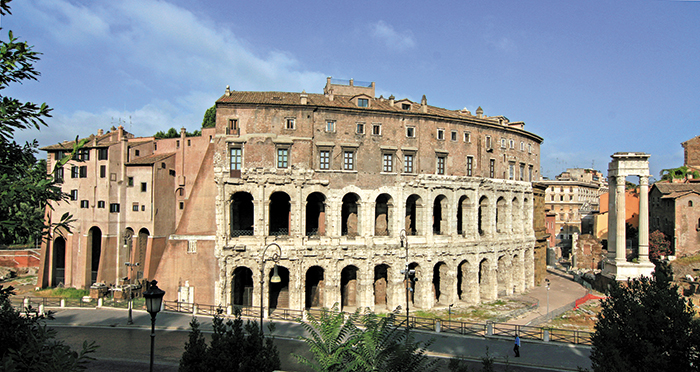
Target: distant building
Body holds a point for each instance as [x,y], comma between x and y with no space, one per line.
[691,153]
[674,209]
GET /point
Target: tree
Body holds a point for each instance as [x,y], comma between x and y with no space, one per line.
[679,173]
[25,186]
[27,344]
[659,246]
[645,325]
[209,118]
[337,344]
[231,349]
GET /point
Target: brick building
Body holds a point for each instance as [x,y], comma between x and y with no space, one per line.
[691,153]
[335,179]
[674,209]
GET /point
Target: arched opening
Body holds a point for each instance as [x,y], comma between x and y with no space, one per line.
[439,215]
[381,280]
[59,262]
[242,213]
[280,210]
[485,280]
[315,287]
[502,276]
[501,215]
[382,215]
[412,287]
[462,208]
[441,282]
[316,214]
[467,286]
[242,286]
[483,215]
[348,287]
[279,292]
[95,249]
[350,223]
[414,205]
[517,215]
[141,253]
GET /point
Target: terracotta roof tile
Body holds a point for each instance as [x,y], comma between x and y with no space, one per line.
[150,159]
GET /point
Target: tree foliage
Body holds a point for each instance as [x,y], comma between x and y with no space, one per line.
[234,347]
[679,173]
[174,133]
[209,120]
[659,245]
[25,186]
[645,325]
[338,344]
[27,344]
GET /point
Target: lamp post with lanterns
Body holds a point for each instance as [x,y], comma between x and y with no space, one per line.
[275,276]
[409,275]
[131,300]
[154,302]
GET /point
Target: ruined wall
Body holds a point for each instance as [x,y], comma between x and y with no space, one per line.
[588,252]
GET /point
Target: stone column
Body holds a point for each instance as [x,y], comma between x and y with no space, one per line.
[643,218]
[611,217]
[620,214]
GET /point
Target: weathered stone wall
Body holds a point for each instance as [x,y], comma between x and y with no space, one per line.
[588,252]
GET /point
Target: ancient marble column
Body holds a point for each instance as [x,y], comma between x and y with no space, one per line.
[643,218]
[620,214]
[611,217]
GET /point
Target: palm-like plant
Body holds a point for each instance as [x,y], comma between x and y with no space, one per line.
[328,340]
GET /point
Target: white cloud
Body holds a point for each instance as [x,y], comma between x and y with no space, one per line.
[391,38]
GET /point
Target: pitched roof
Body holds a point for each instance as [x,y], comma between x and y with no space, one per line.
[104,140]
[675,190]
[150,159]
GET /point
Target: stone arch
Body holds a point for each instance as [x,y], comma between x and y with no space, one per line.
[279,292]
[242,215]
[414,214]
[141,251]
[517,215]
[59,262]
[467,283]
[504,276]
[349,287]
[526,220]
[316,214]
[441,284]
[501,215]
[381,285]
[483,216]
[350,215]
[242,287]
[518,274]
[463,208]
[383,214]
[485,280]
[280,213]
[314,287]
[94,253]
[440,222]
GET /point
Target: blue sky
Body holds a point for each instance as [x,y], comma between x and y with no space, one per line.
[591,77]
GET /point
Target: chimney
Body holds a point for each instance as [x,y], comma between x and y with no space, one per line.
[100,132]
[227,93]
[424,105]
[304,98]
[120,133]
[479,112]
[391,100]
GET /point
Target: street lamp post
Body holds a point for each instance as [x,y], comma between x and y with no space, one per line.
[154,301]
[408,274]
[547,281]
[275,277]
[131,300]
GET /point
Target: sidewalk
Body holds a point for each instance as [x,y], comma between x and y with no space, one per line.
[563,291]
[552,356]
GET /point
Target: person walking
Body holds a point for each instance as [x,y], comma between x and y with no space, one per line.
[516,347]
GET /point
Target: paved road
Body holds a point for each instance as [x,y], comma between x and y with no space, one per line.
[121,342]
[563,291]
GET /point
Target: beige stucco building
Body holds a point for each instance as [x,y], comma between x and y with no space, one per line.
[334,179]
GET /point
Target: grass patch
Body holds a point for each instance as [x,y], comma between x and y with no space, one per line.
[688,259]
[62,292]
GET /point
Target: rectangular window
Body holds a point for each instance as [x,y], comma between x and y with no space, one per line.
[441,134]
[405,106]
[58,176]
[143,208]
[236,157]
[191,246]
[408,163]
[289,123]
[388,162]
[511,171]
[325,159]
[100,204]
[177,144]
[511,144]
[189,143]
[114,208]
[102,154]
[74,172]
[492,167]
[410,132]
[83,171]
[503,143]
[467,137]
[529,149]
[470,165]
[330,126]
[282,158]
[440,165]
[59,155]
[137,152]
[74,195]
[362,102]
[376,129]
[144,186]
[135,207]
[522,146]
[130,181]
[232,127]
[489,145]
[103,171]
[84,154]
[453,135]
[171,172]
[522,171]
[84,204]
[360,128]
[349,160]
[182,205]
